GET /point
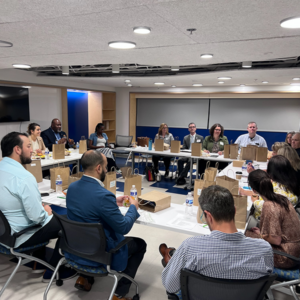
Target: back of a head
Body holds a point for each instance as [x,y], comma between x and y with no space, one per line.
[11,140]
[90,159]
[219,202]
[292,155]
[278,145]
[280,170]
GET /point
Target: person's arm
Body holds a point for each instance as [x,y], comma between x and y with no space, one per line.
[171,138]
[204,144]
[111,214]
[184,146]
[106,140]
[264,143]
[171,273]
[47,141]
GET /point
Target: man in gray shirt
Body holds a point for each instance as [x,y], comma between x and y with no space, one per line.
[188,140]
[251,138]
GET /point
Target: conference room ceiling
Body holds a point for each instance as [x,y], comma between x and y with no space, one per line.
[76,33]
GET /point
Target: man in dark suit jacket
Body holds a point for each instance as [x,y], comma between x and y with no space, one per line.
[89,202]
[54,135]
[193,137]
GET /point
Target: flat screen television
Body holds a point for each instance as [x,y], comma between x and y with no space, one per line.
[14,104]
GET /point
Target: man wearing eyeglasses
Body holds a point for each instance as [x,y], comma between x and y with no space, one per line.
[188,140]
[296,142]
[225,253]
[251,138]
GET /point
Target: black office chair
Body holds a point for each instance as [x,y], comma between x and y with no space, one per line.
[87,240]
[195,286]
[122,142]
[23,254]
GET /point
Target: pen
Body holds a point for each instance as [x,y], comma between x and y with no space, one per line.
[61,197]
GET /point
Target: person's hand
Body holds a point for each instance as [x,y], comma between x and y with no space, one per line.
[71,142]
[206,151]
[100,147]
[121,199]
[256,230]
[38,151]
[134,202]
[62,141]
[250,167]
[48,209]
[220,153]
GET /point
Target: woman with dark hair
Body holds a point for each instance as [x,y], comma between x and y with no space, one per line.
[288,138]
[99,141]
[37,143]
[284,181]
[279,222]
[215,142]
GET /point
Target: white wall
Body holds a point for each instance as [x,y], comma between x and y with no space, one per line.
[44,105]
[122,111]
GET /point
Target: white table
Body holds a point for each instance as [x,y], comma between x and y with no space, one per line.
[73,158]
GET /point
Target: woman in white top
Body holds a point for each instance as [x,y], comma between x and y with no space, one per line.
[163,134]
[37,143]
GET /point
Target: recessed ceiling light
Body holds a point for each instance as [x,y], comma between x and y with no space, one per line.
[197,84]
[5,44]
[296,78]
[121,45]
[26,87]
[142,30]
[224,77]
[242,84]
[173,85]
[127,80]
[221,82]
[175,68]
[293,22]
[21,66]
[295,83]
[265,81]
[247,64]
[129,84]
[206,55]
[159,83]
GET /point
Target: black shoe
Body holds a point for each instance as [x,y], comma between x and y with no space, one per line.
[167,173]
[180,181]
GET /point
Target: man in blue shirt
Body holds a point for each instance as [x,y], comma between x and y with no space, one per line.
[89,202]
[20,199]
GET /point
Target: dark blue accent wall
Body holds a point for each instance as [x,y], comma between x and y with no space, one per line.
[78,115]
[270,137]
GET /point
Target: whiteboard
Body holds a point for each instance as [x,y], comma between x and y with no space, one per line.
[174,112]
[280,115]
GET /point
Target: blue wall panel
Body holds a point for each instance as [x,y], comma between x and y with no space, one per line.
[270,137]
[78,115]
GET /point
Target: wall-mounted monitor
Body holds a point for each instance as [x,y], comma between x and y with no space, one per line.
[14,104]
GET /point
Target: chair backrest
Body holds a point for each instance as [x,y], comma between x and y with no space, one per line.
[86,240]
[5,232]
[198,287]
[123,140]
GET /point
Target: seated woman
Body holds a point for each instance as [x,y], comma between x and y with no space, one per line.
[288,138]
[284,181]
[279,223]
[163,134]
[99,141]
[37,143]
[214,143]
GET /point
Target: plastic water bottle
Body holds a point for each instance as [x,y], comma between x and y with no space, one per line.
[133,193]
[150,145]
[58,184]
[189,205]
[77,146]
[47,153]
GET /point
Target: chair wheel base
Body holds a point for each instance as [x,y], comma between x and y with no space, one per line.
[59,282]
[136,297]
[297,289]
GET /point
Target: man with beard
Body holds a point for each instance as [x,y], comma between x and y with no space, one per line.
[89,202]
[225,253]
[54,135]
[21,202]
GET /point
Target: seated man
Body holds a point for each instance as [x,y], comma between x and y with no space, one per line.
[188,140]
[296,142]
[21,201]
[54,135]
[251,138]
[101,206]
[225,253]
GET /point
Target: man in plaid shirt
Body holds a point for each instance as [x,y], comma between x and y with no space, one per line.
[225,253]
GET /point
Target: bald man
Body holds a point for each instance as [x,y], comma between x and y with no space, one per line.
[54,135]
[296,142]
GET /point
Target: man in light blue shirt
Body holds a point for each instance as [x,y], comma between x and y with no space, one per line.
[20,199]
[251,138]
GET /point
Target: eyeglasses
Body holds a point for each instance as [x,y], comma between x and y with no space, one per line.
[192,127]
[202,219]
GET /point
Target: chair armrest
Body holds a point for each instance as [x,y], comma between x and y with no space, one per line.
[123,243]
[294,258]
[17,234]
[172,296]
